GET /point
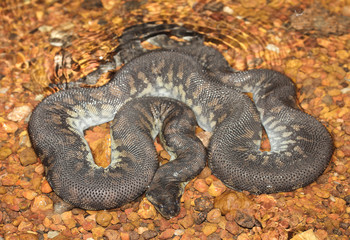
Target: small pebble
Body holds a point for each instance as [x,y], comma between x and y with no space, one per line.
[216,188]
[214,216]
[3,190]
[200,185]
[68,220]
[199,217]
[19,113]
[88,224]
[244,220]
[149,234]
[346,11]
[232,227]
[103,218]
[52,234]
[203,204]
[111,234]
[42,203]
[187,221]
[98,232]
[9,179]
[309,235]
[228,10]
[167,234]
[29,194]
[146,210]
[9,127]
[206,172]
[209,228]
[27,157]
[232,201]
[5,152]
[321,193]
[133,216]
[25,226]
[45,187]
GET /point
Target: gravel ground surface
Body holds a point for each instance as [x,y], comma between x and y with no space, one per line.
[307,40]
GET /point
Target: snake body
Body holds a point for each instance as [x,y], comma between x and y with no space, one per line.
[149,95]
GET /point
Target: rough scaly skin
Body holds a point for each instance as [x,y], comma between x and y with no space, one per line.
[198,76]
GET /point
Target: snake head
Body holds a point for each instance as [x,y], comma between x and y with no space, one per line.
[165,199]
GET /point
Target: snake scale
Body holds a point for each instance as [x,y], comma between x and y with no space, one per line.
[165,92]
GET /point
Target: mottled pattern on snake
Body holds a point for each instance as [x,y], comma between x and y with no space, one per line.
[301,147]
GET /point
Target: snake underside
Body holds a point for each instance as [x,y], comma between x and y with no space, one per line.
[165,92]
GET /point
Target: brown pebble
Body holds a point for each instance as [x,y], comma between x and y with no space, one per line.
[128,227]
[3,190]
[266,201]
[321,192]
[149,234]
[214,216]
[77,211]
[187,221]
[146,210]
[42,203]
[346,11]
[29,194]
[98,232]
[88,224]
[209,228]
[164,155]
[167,234]
[24,205]
[244,220]
[199,217]
[5,152]
[215,236]
[322,179]
[125,236]
[321,234]
[103,218]
[25,226]
[216,188]
[9,126]
[9,179]
[214,6]
[232,227]
[39,169]
[115,218]
[340,169]
[133,216]
[203,204]
[111,234]
[162,224]
[26,236]
[134,236]
[206,172]
[27,157]
[232,201]
[45,187]
[67,218]
[200,185]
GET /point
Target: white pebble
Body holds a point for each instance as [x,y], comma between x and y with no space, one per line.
[228,10]
[273,48]
[19,113]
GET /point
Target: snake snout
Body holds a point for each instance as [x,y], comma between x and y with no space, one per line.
[167,204]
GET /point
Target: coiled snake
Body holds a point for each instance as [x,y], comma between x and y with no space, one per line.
[152,91]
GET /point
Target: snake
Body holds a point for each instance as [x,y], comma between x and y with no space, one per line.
[167,92]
